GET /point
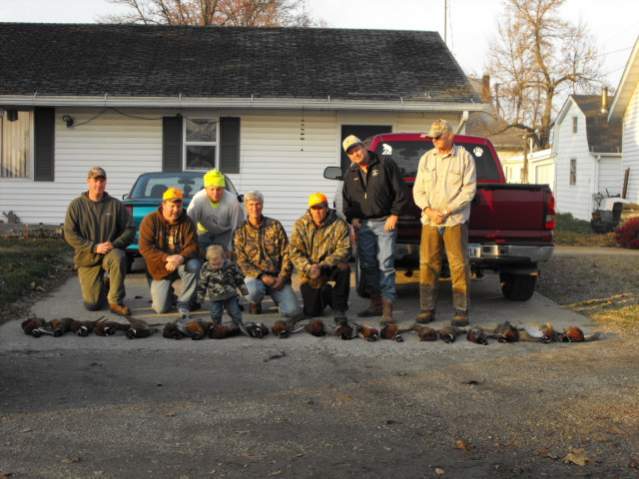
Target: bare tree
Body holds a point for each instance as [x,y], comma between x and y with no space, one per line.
[244,13]
[537,58]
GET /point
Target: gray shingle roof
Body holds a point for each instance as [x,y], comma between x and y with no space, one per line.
[143,61]
[603,137]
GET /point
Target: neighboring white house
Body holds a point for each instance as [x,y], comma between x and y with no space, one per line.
[625,109]
[268,106]
[587,152]
[541,168]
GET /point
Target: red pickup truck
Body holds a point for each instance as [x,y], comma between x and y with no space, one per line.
[511,225]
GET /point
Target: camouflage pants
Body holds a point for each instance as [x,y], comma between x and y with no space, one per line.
[455,241]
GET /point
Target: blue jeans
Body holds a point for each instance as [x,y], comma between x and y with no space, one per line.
[161,289]
[376,252]
[232,307]
[284,298]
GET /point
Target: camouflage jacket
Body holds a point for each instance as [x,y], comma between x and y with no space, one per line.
[262,250]
[327,244]
[218,285]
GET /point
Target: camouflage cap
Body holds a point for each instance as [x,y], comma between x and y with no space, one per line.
[438,128]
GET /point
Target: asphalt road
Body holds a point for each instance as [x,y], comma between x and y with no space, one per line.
[307,407]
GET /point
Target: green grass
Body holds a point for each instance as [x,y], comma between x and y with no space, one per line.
[571,231]
[28,266]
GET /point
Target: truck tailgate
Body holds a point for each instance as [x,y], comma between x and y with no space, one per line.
[510,213]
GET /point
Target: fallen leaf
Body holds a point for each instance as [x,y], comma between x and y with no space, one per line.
[463,445]
[439,471]
[472,382]
[634,463]
[26,430]
[71,460]
[576,456]
[5,475]
[170,414]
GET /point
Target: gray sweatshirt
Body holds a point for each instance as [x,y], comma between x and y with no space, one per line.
[220,222]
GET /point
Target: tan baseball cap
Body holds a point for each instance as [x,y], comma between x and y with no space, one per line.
[96,172]
[350,141]
[439,127]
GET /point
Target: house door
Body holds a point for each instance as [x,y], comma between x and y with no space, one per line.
[362,132]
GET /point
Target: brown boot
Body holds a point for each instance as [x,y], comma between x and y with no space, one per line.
[120,309]
[387,312]
[255,308]
[374,308]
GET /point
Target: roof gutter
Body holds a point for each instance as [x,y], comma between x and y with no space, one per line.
[245,103]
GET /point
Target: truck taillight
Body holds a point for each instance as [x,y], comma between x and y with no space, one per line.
[549,216]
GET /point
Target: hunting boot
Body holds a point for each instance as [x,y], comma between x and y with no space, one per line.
[374,308]
[460,319]
[427,300]
[387,312]
[255,308]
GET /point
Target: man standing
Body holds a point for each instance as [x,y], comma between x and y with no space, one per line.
[374,196]
[444,187]
[216,214]
[99,228]
[261,249]
[320,248]
[168,243]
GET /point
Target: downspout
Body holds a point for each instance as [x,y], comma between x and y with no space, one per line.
[461,128]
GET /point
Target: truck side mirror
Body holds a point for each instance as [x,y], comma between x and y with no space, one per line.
[333,173]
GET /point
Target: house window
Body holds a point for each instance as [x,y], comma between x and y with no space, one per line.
[200,143]
[573,171]
[16,145]
[575,122]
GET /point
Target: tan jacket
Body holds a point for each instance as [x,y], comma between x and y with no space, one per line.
[446,182]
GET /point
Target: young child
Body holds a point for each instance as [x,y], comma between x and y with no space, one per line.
[218,283]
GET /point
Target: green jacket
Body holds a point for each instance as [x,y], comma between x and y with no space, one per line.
[89,223]
[327,244]
[262,250]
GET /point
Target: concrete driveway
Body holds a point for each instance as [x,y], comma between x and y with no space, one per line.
[305,407]
[488,309]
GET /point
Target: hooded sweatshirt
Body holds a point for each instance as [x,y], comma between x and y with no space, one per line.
[328,243]
[159,240]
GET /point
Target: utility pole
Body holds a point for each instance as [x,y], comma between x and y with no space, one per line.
[446,22]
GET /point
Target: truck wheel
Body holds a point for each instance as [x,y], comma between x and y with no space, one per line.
[359,284]
[517,287]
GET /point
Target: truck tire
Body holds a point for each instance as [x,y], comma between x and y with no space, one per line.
[517,287]
[359,284]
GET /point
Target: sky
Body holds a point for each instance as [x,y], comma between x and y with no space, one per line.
[472,23]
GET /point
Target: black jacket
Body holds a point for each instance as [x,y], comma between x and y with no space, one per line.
[382,194]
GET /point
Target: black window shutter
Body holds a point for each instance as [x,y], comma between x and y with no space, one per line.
[172,143]
[230,145]
[44,144]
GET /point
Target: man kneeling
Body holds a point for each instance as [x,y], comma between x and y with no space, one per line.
[169,245]
[320,248]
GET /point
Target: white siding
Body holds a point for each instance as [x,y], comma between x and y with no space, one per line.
[123,146]
[575,199]
[276,161]
[630,146]
[282,154]
[610,176]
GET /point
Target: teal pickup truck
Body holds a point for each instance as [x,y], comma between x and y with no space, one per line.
[146,195]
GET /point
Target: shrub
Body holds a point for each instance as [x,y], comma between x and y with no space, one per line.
[627,235]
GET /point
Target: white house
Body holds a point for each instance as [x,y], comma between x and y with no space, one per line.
[268,106]
[587,152]
[541,168]
[625,109]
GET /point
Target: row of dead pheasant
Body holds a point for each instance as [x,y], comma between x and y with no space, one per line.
[201,328]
